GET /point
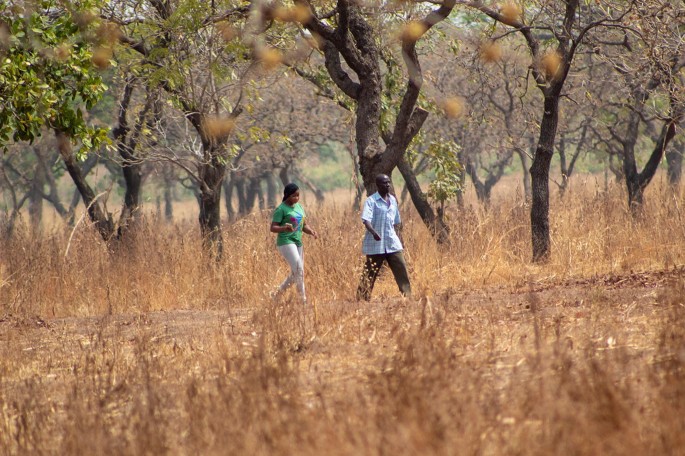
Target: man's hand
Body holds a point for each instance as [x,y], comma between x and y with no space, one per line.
[370,229]
[289,227]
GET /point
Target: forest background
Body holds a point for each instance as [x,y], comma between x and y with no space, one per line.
[535,149]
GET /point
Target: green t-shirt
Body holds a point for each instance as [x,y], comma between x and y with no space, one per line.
[293,215]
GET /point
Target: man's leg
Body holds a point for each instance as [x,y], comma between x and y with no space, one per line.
[372,268]
[399,269]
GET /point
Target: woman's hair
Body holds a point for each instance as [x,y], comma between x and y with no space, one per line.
[289,190]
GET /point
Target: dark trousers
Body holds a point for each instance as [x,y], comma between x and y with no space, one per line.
[372,268]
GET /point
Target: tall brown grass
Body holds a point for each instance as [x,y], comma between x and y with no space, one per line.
[150,347]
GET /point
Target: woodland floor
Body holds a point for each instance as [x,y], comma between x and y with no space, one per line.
[344,339]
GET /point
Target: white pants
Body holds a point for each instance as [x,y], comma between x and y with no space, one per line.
[294,255]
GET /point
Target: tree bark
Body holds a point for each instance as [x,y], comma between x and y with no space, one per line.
[435,224]
[127,142]
[239,184]
[271,190]
[168,194]
[36,197]
[229,184]
[638,182]
[211,175]
[103,222]
[527,191]
[494,174]
[674,160]
[356,41]
[539,172]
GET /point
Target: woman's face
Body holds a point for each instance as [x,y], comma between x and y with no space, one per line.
[294,198]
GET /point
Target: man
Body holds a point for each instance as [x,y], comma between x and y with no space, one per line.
[381,243]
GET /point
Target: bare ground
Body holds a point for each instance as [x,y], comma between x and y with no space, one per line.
[341,341]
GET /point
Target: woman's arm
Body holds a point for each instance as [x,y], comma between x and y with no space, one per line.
[277,228]
[310,231]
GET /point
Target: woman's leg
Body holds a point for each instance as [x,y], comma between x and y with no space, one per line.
[299,277]
[294,255]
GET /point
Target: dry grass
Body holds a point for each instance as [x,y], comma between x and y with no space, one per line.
[152,348]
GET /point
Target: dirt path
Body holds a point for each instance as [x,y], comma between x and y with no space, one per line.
[637,290]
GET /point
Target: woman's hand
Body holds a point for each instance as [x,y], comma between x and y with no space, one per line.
[310,231]
[277,228]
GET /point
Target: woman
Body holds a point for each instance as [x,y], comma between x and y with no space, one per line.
[289,221]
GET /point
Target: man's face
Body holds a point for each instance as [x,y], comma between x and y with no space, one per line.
[383,184]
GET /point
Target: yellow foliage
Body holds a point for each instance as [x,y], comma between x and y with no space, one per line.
[102,56]
[454,107]
[413,30]
[551,64]
[298,13]
[315,41]
[218,127]
[511,12]
[269,57]
[108,33]
[490,51]
[61,52]
[84,18]
[226,31]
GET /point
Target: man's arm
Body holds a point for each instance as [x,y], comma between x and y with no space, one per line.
[369,228]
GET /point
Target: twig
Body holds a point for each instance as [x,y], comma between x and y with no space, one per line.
[66,252]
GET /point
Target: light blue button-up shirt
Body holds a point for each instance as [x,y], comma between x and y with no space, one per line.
[383,216]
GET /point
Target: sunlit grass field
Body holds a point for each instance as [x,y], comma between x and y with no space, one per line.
[149,346]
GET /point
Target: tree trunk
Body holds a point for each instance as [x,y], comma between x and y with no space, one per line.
[539,172]
[630,172]
[271,191]
[229,184]
[239,183]
[53,195]
[527,192]
[211,176]
[103,222]
[318,193]
[494,174]
[368,132]
[86,168]
[636,181]
[481,192]
[284,175]
[253,190]
[36,197]
[563,166]
[168,201]
[436,225]
[674,160]
[356,40]
[133,176]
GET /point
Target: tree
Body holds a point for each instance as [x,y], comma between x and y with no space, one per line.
[649,59]
[192,55]
[553,33]
[497,122]
[50,61]
[349,37]
[674,159]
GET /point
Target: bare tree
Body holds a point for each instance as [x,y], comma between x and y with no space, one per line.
[566,24]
